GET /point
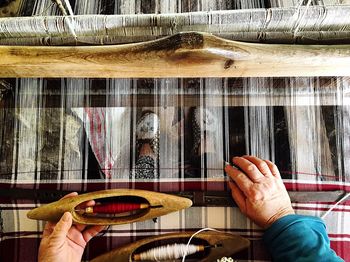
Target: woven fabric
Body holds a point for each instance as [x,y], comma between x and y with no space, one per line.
[20,236]
[305,150]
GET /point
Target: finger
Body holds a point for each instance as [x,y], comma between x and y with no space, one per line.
[87,204]
[91,232]
[238,196]
[80,227]
[273,168]
[90,203]
[61,229]
[73,194]
[260,164]
[248,168]
[48,229]
[242,181]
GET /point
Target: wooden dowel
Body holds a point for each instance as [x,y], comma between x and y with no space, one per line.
[181,55]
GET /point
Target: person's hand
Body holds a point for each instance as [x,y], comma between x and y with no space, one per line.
[258,190]
[63,241]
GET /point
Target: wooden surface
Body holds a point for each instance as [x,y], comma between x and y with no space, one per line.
[164,204]
[181,55]
[230,244]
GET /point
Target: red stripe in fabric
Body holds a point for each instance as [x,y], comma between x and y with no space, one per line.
[22,233]
[342,249]
[92,136]
[315,208]
[339,236]
[320,186]
[98,122]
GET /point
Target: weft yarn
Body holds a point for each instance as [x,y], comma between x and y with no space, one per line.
[167,252]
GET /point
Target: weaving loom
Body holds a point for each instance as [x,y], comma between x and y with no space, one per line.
[78,134]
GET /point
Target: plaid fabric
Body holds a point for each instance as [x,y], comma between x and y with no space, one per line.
[27,164]
[20,236]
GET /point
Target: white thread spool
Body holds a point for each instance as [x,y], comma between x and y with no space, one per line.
[168,252]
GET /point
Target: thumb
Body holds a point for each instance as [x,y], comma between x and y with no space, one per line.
[61,229]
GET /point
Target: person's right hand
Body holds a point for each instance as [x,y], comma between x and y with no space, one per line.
[259,190]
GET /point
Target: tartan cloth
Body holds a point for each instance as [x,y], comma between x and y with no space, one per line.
[20,236]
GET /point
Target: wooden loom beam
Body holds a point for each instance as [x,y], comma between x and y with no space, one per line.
[181,55]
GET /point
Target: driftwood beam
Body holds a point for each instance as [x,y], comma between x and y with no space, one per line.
[181,55]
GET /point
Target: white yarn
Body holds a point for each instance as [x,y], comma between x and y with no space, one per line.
[168,252]
[189,241]
[336,204]
[297,26]
[69,7]
[70,19]
[70,22]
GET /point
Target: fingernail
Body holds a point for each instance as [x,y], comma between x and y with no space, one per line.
[65,217]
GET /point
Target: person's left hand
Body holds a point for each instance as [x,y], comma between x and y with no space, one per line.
[63,241]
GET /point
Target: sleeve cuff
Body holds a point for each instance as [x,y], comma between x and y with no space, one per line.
[284,222]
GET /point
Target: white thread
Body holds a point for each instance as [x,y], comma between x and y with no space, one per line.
[70,20]
[69,7]
[189,241]
[45,10]
[336,204]
[174,251]
[168,252]
[296,29]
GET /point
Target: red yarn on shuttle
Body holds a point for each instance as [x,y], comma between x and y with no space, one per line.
[114,208]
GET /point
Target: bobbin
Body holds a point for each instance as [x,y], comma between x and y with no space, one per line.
[229,244]
[159,204]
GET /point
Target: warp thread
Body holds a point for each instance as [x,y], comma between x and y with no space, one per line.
[298,22]
[70,19]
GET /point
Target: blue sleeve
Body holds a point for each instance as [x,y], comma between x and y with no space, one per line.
[299,238]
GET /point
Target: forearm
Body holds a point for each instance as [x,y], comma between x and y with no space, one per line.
[299,238]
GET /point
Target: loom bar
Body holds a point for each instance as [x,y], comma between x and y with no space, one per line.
[182,55]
